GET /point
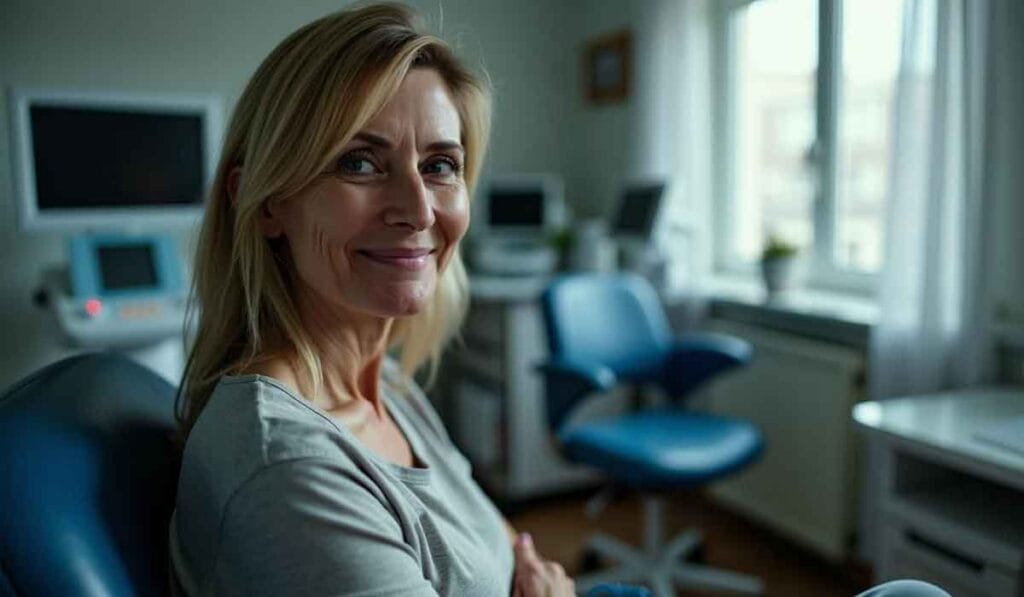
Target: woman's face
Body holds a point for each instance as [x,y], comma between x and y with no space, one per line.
[374,233]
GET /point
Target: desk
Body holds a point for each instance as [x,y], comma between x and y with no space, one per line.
[952,503]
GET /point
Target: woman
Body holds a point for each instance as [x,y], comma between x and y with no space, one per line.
[313,464]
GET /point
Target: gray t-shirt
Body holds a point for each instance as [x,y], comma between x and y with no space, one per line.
[276,497]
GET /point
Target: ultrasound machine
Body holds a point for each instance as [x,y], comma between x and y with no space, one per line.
[120,179]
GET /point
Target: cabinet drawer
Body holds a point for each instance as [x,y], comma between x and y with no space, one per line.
[484,325]
[482,366]
[912,554]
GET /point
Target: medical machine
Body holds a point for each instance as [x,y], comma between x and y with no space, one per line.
[123,292]
[122,177]
[517,216]
[636,225]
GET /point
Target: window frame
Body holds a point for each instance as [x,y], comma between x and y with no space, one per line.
[822,266]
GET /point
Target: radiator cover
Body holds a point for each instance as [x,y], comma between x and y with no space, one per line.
[800,392]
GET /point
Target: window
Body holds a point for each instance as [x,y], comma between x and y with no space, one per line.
[807,90]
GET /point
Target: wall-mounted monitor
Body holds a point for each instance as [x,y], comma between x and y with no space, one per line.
[101,161]
[524,205]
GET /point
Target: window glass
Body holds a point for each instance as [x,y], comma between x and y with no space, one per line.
[776,53]
[870,62]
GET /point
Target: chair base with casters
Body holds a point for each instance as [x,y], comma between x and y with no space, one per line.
[663,566]
[653,451]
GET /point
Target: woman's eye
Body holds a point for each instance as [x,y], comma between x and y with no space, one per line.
[356,164]
[443,166]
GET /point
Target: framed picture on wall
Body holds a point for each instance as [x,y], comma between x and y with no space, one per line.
[607,67]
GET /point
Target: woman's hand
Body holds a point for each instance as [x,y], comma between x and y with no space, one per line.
[537,577]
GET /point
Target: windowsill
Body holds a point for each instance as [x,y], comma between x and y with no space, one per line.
[836,317]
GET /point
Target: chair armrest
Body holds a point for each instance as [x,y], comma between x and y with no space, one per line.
[591,377]
[567,382]
[729,348]
[696,358]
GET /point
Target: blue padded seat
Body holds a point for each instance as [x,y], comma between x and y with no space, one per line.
[88,471]
[664,448]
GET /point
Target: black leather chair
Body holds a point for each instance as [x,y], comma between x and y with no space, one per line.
[88,472]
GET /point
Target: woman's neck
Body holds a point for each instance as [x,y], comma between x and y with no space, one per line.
[351,346]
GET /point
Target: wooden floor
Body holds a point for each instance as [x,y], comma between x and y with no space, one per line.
[559,527]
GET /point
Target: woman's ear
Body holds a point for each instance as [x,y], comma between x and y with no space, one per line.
[234,177]
[270,219]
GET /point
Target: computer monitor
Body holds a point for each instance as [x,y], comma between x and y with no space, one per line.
[99,161]
[638,210]
[522,205]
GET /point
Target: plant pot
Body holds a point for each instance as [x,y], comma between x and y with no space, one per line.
[779,274]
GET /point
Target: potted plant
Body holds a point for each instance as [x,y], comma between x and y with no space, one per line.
[778,265]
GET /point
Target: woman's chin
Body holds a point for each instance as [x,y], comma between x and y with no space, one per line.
[403,304]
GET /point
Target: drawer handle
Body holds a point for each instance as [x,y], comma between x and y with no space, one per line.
[945,552]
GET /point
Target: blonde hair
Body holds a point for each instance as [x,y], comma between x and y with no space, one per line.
[308,98]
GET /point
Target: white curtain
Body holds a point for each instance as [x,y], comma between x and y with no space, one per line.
[931,330]
[673,98]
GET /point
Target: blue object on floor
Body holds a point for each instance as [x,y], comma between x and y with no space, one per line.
[616,590]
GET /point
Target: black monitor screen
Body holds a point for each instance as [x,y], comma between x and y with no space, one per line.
[637,211]
[105,158]
[516,207]
[127,266]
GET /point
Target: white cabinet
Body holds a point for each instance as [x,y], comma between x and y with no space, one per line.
[952,502]
[498,416]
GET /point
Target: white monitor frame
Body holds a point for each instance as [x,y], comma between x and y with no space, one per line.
[554,215]
[30,218]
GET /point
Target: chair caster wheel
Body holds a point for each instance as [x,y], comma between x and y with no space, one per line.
[589,561]
[698,556]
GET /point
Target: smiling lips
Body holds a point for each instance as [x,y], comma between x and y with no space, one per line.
[406,258]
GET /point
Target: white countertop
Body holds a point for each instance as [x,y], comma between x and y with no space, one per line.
[957,423]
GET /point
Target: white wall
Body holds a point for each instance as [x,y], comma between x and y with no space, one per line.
[605,145]
[212,46]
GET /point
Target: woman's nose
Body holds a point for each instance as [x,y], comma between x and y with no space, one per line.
[411,203]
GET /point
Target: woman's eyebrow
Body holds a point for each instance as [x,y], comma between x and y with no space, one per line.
[446,146]
[384,143]
[373,139]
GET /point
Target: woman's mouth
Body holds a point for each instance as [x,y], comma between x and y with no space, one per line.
[412,259]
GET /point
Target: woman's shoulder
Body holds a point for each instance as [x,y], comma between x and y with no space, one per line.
[253,421]
[253,424]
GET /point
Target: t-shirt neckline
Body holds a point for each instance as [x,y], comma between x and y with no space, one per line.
[413,474]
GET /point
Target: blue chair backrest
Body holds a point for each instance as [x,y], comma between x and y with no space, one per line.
[613,319]
[88,471]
